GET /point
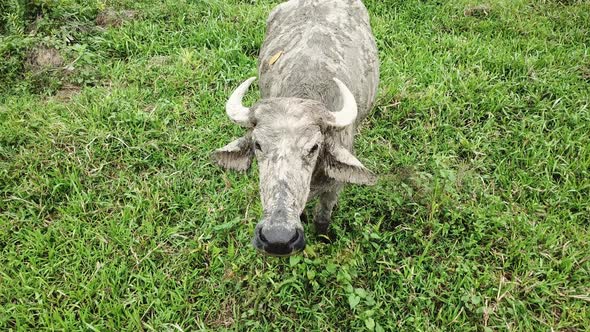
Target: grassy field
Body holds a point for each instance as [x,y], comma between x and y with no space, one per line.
[112,217]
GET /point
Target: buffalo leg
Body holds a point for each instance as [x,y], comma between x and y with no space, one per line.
[323,212]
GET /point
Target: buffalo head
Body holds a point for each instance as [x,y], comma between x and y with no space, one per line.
[294,141]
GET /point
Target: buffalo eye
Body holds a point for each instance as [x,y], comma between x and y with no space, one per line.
[257,146]
[313,149]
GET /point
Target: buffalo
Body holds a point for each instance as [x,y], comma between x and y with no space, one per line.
[319,72]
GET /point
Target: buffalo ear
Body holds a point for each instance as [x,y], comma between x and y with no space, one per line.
[342,166]
[237,155]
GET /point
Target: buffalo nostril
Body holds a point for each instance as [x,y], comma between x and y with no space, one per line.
[279,239]
[295,237]
[261,236]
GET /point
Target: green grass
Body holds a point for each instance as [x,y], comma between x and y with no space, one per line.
[113,218]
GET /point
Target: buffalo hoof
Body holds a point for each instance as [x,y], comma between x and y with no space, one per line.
[325,234]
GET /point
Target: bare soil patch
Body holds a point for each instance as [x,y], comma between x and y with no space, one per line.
[112,18]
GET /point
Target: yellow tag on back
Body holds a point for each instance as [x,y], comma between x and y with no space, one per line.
[275,58]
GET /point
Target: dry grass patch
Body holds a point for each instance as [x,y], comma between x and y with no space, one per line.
[478,11]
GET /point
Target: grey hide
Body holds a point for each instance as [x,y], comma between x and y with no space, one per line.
[308,43]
